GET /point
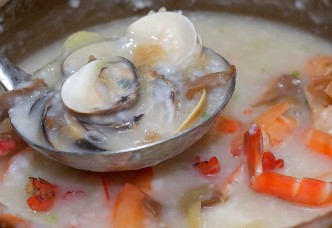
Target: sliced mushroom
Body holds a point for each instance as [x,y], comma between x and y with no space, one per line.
[193,200]
[287,86]
[219,72]
[14,97]
[101,87]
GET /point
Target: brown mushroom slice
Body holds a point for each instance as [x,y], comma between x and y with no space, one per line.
[101,87]
[193,200]
[287,86]
[14,97]
[219,72]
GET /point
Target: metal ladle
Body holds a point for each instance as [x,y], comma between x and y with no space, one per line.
[126,159]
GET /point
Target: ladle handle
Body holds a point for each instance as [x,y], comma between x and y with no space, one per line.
[11,75]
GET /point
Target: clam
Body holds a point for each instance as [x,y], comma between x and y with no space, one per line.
[155,39]
[162,38]
[149,86]
[106,49]
[101,87]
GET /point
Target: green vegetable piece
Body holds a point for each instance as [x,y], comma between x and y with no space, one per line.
[296,73]
[80,39]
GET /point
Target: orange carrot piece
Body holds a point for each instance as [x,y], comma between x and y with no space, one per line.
[227,125]
[129,208]
[319,141]
[10,220]
[272,114]
[142,179]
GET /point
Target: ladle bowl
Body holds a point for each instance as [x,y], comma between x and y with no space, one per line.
[126,159]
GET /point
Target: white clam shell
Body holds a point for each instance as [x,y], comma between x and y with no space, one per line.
[77,92]
[174,32]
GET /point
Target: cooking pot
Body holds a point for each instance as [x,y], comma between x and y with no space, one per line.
[28,25]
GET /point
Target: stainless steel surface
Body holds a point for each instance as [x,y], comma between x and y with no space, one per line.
[11,75]
[127,159]
[20,30]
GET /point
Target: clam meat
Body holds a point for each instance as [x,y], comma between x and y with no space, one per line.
[123,92]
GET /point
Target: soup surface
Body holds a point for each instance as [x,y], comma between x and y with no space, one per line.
[173,190]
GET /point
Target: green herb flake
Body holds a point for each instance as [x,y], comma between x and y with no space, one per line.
[296,73]
[52,219]
[204,115]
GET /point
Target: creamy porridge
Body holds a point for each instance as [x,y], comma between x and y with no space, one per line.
[210,184]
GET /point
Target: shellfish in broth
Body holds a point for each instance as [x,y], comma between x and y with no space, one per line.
[110,94]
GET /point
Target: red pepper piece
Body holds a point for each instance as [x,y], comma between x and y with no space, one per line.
[6,145]
[208,168]
[269,162]
[43,194]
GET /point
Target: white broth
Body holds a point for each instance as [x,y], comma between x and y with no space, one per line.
[262,51]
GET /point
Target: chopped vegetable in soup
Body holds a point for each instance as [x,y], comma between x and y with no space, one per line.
[265,163]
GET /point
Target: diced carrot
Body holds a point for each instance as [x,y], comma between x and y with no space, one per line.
[142,179]
[227,125]
[280,128]
[129,208]
[319,141]
[10,220]
[272,114]
[208,168]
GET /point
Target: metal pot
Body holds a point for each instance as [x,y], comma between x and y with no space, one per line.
[28,25]
[21,21]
